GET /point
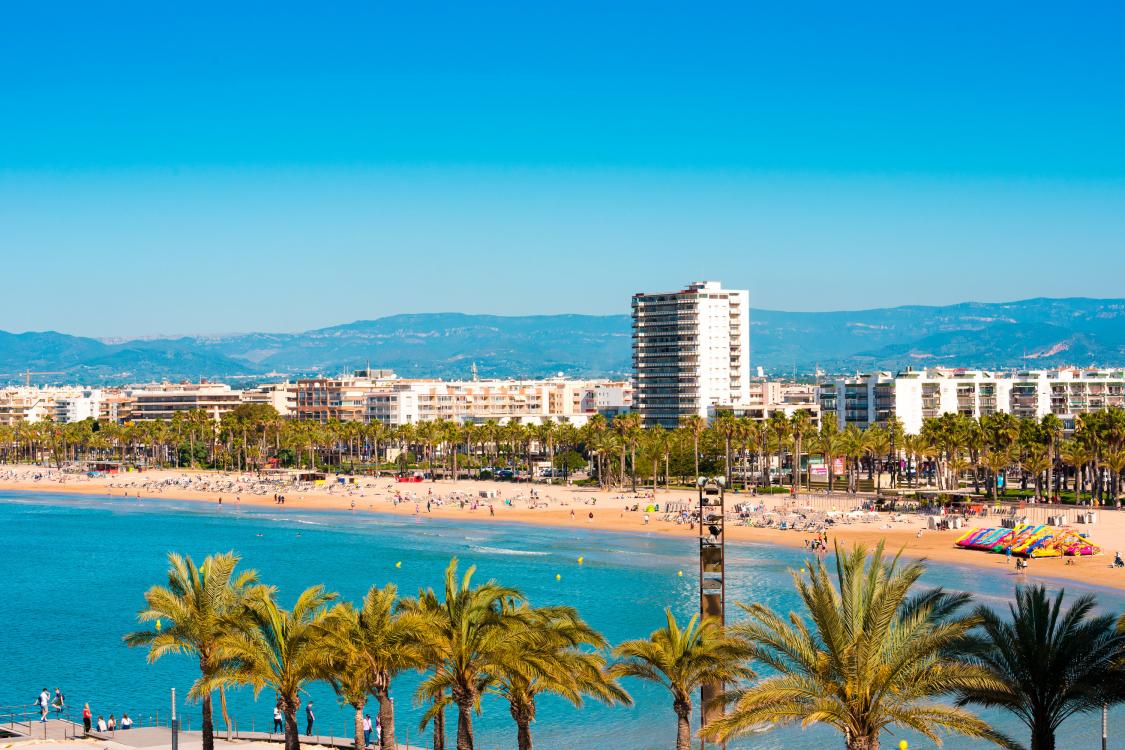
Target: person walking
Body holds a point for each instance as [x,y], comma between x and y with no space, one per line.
[43,701]
[309,718]
[277,719]
[87,717]
[366,730]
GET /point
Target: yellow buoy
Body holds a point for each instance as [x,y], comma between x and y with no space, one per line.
[680,573]
[398,564]
[580,559]
[158,626]
[558,577]
[903,745]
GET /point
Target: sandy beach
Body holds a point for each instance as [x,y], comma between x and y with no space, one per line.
[558,505]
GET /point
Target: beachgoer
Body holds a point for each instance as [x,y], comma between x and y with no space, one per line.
[1008,553]
[366,730]
[646,519]
[126,722]
[101,724]
[43,701]
[111,725]
[277,718]
[58,703]
[309,718]
[87,717]
[1117,561]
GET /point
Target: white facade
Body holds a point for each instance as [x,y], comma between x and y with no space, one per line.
[916,395]
[88,405]
[524,401]
[691,351]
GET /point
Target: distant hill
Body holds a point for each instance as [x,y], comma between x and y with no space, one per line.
[1029,333]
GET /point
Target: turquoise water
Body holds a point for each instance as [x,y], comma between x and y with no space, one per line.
[74,570]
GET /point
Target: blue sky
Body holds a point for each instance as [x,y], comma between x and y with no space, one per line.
[275,166]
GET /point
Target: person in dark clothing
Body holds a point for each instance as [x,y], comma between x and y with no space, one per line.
[309,718]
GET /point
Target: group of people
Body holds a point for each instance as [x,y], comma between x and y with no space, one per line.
[44,702]
[104,725]
[310,722]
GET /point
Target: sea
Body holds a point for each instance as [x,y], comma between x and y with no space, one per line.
[75,567]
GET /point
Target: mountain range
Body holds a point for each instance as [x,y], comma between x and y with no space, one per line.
[1025,334]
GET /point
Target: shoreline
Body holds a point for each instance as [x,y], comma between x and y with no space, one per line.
[569,507]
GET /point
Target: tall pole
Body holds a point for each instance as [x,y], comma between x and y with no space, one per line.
[712,576]
[175,724]
[1105,726]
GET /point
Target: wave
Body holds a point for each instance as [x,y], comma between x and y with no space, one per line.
[506,551]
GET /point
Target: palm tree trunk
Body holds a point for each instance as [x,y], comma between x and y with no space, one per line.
[292,739]
[439,730]
[523,735]
[696,455]
[223,709]
[359,743]
[465,726]
[683,726]
[862,743]
[386,719]
[1042,736]
[208,724]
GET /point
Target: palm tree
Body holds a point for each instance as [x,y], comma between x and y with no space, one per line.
[195,612]
[552,660]
[367,648]
[1047,664]
[1052,429]
[778,424]
[683,660]
[872,657]
[281,649]
[696,426]
[726,426]
[800,425]
[466,639]
[828,443]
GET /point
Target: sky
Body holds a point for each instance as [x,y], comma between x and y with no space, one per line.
[223,167]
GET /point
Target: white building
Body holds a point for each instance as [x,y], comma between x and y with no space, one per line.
[916,395]
[523,401]
[162,400]
[89,404]
[691,351]
[281,396]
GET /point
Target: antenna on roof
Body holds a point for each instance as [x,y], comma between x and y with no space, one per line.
[474,371]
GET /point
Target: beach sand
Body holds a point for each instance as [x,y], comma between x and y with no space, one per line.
[559,505]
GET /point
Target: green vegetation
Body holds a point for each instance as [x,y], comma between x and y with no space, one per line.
[870,652]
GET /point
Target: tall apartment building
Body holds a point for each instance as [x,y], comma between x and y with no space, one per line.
[691,351]
[281,396]
[916,395]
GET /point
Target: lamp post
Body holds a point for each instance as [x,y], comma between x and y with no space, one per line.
[712,575]
[175,724]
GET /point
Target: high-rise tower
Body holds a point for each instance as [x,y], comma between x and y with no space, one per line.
[691,350]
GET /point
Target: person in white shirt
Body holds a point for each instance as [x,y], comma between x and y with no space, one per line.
[126,722]
[101,724]
[366,730]
[43,701]
[277,719]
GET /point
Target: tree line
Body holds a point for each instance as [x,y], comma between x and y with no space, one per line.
[870,652]
[950,452]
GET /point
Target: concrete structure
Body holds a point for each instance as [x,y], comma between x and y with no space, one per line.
[163,400]
[916,395]
[33,403]
[691,351]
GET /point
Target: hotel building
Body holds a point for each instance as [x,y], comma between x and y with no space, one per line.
[163,400]
[915,395]
[691,351]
